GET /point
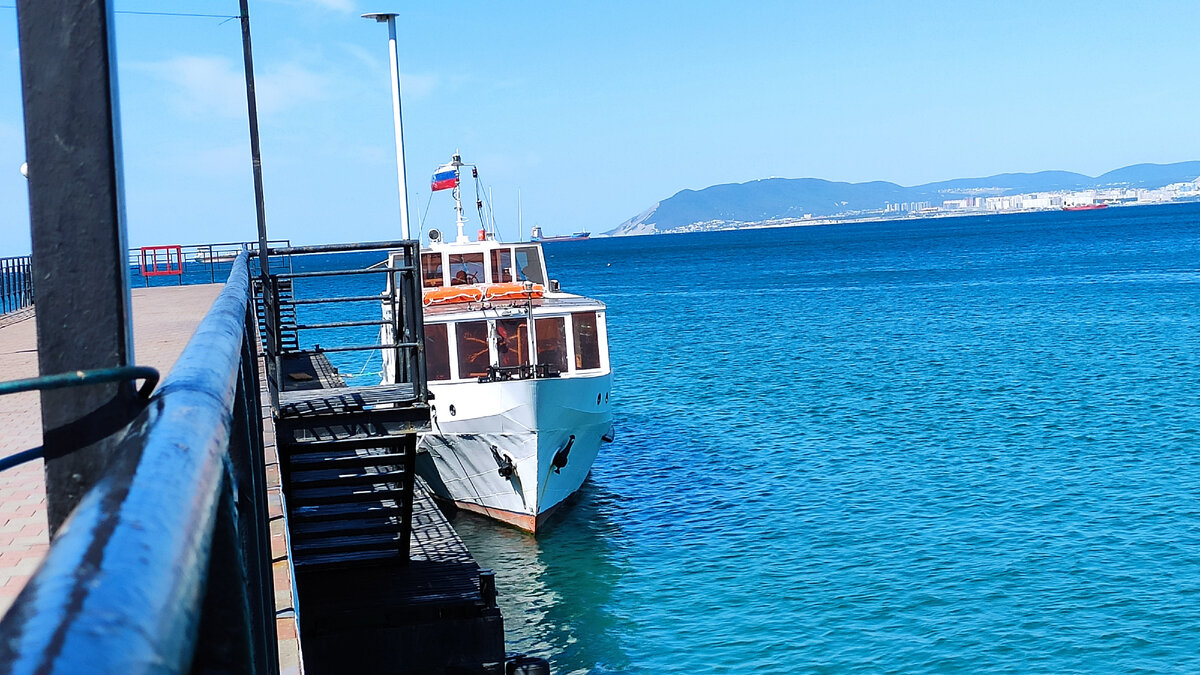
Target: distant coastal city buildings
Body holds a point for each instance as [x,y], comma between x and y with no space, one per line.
[1040,201]
[972,205]
[788,202]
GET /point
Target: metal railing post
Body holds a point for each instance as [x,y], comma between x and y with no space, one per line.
[76,209]
[252,498]
[225,642]
[415,321]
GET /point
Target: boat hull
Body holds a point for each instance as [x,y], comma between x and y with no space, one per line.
[548,431]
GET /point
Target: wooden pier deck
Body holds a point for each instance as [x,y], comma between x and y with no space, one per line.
[164,318]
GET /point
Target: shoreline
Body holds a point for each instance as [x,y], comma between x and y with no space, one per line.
[728,226]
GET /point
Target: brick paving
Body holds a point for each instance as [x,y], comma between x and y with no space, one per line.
[287,630]
[164,318]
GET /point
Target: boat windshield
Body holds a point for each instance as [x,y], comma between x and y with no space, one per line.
[501,265]
[431,269]
[529,265]
[466,268]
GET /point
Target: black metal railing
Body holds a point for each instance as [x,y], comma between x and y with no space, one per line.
[16,283]
[165,563]
[398,307]
[522,372]
[205,263]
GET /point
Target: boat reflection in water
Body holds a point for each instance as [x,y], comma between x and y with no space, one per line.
[556,590]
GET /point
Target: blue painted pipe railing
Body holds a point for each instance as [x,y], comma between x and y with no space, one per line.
[16,283]
[164,566]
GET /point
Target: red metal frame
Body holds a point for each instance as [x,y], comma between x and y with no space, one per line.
[152,269]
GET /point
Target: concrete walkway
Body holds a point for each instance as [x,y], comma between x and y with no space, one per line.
[164,319]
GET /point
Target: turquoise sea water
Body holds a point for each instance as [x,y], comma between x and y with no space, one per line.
[922,446]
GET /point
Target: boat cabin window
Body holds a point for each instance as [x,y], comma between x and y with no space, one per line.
[512,342]
[473,360]
[431,269]
[501,265]
[437,352]
[529,265]
[466,268]
[587,340]
[552,343]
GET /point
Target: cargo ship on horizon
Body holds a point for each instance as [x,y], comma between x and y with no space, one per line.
[536,235]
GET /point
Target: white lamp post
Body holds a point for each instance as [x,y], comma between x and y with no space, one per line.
[394,58]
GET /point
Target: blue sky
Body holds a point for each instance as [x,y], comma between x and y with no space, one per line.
[596,111]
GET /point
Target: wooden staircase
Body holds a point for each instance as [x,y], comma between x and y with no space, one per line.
[348,457]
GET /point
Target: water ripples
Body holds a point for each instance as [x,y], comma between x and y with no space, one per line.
[906,447]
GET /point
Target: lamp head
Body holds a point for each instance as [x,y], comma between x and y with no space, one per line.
[380,17]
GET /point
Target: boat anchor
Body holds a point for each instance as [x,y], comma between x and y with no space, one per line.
[561,457]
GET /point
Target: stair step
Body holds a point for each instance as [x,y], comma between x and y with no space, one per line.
[325,460]
[332,559]
[364,542]
[333,495]
[344,476]
[324,512]
[349,442]
[374,524]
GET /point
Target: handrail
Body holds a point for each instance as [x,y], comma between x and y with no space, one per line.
[123,587]
[402,300]
[197,258]
[338,248]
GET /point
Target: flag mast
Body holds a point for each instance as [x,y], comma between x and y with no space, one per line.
[461,220]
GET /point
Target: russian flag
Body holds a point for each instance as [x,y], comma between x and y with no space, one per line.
[445,178]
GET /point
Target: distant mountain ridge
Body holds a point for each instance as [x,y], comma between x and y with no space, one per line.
[785,198]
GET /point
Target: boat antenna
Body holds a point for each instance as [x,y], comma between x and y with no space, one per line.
[460,220]
[520,226]
[483,221]
[491,212]
[425,214]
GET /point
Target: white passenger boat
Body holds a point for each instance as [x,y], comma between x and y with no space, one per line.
[519,374]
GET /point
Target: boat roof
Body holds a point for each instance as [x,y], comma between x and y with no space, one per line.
[549,303]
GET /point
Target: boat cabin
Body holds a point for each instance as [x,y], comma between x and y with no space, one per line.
[506,320]
[482,262]
[500,345]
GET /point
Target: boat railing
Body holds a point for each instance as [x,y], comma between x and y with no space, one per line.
[16,284]
[165,562]
[282,308]
[521,372]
